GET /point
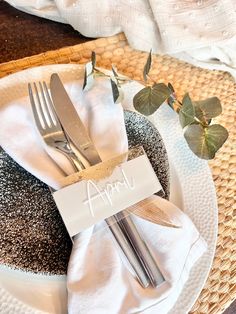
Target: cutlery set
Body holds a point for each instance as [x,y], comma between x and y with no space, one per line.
[62,129]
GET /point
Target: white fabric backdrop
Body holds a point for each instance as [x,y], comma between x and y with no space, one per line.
[202,32]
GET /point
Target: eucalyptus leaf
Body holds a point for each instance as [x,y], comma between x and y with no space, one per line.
[147,66]
[205,142]
[88,76]
[170,86]
[93,59]
[114,71]
[170,101]
[99,73]
[186,112]
[121,96]
[115,91]
[85,78]
[207,109]
[150,98]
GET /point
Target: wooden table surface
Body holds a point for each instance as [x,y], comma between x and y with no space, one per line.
[23,35]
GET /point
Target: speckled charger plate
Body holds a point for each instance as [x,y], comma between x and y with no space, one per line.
[33,236]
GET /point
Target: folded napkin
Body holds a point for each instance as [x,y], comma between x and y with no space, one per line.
[97,281]
[166,26]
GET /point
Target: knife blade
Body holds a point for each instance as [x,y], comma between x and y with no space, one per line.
[71,122]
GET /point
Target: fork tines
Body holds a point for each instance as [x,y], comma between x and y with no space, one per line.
[42,105]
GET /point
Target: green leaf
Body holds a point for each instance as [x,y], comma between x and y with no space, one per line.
[99,73]
[149,99]
[171,99]
[85,78]
[114,71]
[88,76]
[170,86]
[186,113]
[170,102]
[93,59]
[147,66]
[121,96]
[207,109]
[115,90]
[205,142]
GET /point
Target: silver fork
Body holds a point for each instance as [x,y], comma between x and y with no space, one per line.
[53,134]
[48,124]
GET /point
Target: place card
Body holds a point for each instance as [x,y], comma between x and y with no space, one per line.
[105,189]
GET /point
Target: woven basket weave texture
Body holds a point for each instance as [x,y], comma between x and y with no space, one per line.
[220,288]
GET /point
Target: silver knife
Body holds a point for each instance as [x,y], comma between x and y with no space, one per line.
[77,133]
[71,122]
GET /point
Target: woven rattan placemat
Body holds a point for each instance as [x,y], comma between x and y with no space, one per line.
[220,288]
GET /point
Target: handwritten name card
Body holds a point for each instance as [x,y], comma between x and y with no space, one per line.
[85,203]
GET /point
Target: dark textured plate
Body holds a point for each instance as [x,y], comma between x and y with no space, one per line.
[33,236]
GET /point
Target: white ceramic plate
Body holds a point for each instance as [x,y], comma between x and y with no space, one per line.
[192,189]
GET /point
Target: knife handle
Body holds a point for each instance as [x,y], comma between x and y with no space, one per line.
[128,250]
[127,225]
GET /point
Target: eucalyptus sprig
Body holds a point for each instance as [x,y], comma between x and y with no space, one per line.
[91,72]
[203,137]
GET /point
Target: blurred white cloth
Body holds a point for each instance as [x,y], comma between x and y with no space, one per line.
[98,282]
[201,32]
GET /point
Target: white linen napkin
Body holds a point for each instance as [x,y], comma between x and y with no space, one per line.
[166,26]
[98,282]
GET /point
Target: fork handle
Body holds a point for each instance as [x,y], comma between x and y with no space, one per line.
[141,249]
[128,250]
[76,163]
[71,157]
